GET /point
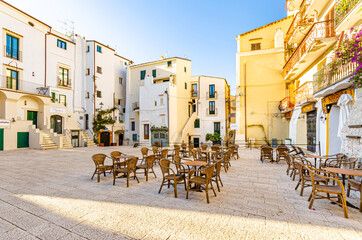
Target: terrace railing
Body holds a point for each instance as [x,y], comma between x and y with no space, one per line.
[343,8]
[287,103]
[304,92]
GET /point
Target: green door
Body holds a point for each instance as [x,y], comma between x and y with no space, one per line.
[33,116]
[1,139]
[23,139]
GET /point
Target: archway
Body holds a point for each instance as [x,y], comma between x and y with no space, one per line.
[105,137]
[56,123]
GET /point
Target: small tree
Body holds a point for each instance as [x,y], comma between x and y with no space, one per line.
[215,137]
[102,118]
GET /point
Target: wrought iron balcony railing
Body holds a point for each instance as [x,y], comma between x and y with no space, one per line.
[324,77]
[211,111]
[135,106]
[324,29]
[304,92]
[342,9]
[287,103]
[14,84]
[13,53]
[210,95]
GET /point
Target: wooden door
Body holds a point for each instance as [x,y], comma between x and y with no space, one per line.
[33,116]
[146,131]
[23,139]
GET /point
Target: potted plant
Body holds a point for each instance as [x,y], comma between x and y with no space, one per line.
[215,138]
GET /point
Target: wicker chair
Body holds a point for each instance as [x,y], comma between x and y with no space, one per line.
[289,163]
[216,175]
[282,153]
[148,165]
[183,149]
[294,167]
[355,185]
[266,152]
[98,160]
[195,154]
[337,190]
[201,156]
[175,153]
[232,152]
[202,182]
[305,179]
[191,147]
[225,162]
[236,151]
[181,169]
[116,160]
[129,169]
[204,147]
[169,176]
[144,152]
[156,151]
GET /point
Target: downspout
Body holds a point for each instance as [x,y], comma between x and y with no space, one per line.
[94,81]
[246,125]
[45,58]
[168,118]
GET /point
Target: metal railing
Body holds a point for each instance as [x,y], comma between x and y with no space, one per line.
[287,103]
[304,92]
[13,53]
[210,95]
[324,29]
[24,86]
[342,9]
[211,112]
[324,77]
[293,27]
[135,106]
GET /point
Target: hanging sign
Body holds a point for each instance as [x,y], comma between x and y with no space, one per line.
[57,110]
[308,108]
[5,123]
[331,99]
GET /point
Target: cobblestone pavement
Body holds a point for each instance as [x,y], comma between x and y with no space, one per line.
[49,195]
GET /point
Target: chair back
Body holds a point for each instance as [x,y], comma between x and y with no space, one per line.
[266,150]
[155,149]
[203,147]
[218,167]
[116,154]
[232,149]
[132,163]
[165,166]
[209,172]
[195,154]
[177,152]
[144,152]
[176,146]
[150,160]
[164,153]
[98,159]
[215,148]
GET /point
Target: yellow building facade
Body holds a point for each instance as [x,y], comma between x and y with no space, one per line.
[260,85]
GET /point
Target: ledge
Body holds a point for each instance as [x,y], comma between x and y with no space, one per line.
[353,137]
[355,126]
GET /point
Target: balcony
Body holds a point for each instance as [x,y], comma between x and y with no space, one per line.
[211,112]
[292,5]
[304,94]
[319,38]
[17,85]
[211,95]
[345,13]
[64,83]
[324,78]
[298,28]
[13,53]
[135,106]
[287,104]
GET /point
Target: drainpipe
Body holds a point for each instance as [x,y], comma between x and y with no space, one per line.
[168,117]
[45,58]
[246,125]
[94,81]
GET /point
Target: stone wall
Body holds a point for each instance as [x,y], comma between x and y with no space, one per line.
[353,147]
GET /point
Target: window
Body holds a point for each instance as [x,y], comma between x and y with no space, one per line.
[217,127]
[12,79]
[62,44]
[125,63]
[185,85]
[194,90]
[63,99]
[99,49]
[63,77]
[87,95]
[156,135]
[99,69]
[53,96]
[124,110]
[169,64]
[88,48]
[143,74]
[119,101]
[120,80]
[197,123]
[99,94]
[12,47]
[185,70]
[255,46]
[212,91]
[86,121]
[133,126]
[155,103]
[146,131]
[134,137]
[161,101]
[154,73]
[212,107]
[87,71]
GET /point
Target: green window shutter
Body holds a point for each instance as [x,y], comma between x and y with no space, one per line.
[1,139]
[53,96]
[154,73]
[143,74]
[197,123]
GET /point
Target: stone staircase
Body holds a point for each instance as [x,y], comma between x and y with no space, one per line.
[67,143]
[48,143]
[88,139]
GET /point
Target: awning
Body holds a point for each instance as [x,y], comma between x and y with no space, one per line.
[333,88]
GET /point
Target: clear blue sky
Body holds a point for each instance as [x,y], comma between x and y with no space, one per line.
[143,30]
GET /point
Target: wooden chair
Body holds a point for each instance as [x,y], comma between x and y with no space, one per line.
[266,152]
[216,175]
[294,167]
[225,162]
[191,147]
[232,152]
[181,169]
[337,190]
[183,149]
[130,168]
[175,153]
[305,179]
[282,153]
[204,147]
[144,152]
[355,185]
[98,160]
[156,151]
[194,177]
[201,156]
[116,160]
[170,177]
[148,165]
[236,151]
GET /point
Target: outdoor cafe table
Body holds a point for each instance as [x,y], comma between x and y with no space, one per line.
[344,172]
[208,152]
[196,164]
[315,158]
[125,157]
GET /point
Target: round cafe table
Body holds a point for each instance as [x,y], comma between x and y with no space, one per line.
[196,164]
[124,157]
[317,157]
[208,152]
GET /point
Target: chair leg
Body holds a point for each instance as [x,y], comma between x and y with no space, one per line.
[302,189]
[94,174]
[344,204]
[135,176]
[114,178]
[185,184]
[207,193]
[360,204]
[146,173]
[312,200]
[217,184]
[212,187]
[127,179]
[348,190]
[220,181]
[175,187]
[153,171]
[99,176]
[310,196]
[163,181]
[187,190]
[296,187]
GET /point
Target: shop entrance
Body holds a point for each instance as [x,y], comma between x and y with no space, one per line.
[311,130]
[335,143]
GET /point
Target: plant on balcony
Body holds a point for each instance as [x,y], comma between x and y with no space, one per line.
[102,118]
[349,51]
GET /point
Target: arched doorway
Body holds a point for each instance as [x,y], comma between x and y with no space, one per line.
[56,123]
[105,138]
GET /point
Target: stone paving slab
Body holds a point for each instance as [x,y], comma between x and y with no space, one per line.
[49,195]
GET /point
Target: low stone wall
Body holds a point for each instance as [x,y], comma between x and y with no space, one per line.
[353,147]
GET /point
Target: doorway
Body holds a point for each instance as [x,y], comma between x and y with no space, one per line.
[75,138]
[23,140]
[1,139]
[335,142]
[120,139]
[105,138]
[311,130]
[217,127]
[56,123]
[33,116]
[196,142]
